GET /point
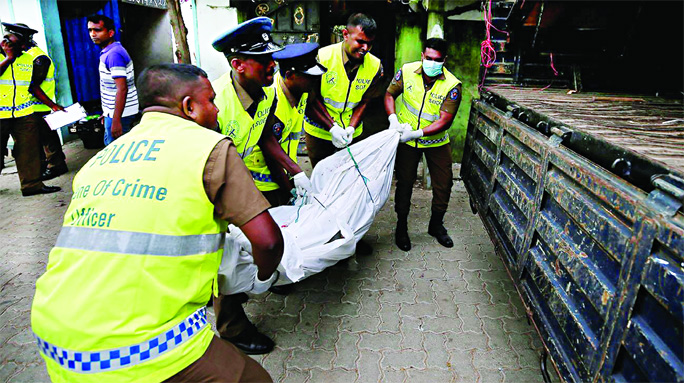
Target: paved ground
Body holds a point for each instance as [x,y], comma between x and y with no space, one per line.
[429,315]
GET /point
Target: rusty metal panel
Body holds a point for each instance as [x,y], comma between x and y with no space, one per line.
[598,259]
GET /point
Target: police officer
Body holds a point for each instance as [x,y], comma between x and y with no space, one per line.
[335,110]
[334,114]
[246,103]
[16,109]
[431,96]
[299,72]
[123,298]
[43,94]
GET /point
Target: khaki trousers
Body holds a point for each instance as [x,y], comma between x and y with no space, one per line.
[222,362]
[406,166]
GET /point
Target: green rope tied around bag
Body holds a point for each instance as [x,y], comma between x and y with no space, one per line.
[365,180]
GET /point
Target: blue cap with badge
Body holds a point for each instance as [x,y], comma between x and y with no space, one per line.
[300,58]
[253,37]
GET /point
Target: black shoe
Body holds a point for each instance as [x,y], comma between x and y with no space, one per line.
[54,172]
[436,229]
[363,248]
[282,289]
[401,238]
[253,342]
[43,190]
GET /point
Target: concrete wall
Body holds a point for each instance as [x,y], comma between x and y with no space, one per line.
[146,35]
[213,18]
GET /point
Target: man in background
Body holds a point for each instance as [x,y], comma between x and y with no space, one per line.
[117,85]
[43,94]
[16,109]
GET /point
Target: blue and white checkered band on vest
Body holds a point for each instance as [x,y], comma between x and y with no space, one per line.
[114,359]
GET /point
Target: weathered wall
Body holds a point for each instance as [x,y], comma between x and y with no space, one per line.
[464,62]
[146,35]
[213,17]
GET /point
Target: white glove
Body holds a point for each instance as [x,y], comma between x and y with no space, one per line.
[409,134]
[350,133]
[302,185]
[394,122]
[339,136]
[263,286]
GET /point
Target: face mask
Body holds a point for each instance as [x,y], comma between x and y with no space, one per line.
[432,68]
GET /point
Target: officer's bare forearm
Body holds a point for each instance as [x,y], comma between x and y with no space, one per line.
[272,150]
[442,124]
[42,97]
[267,243]
[315,110]
[389,103]
[359,111]
[120,101]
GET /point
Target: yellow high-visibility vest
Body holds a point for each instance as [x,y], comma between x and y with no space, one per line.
[123,298]
[48,85]
[341,94]
[15,99]
[420,108]
[237,124]
[288,135]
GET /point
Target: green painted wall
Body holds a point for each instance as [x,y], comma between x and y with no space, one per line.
[464,62]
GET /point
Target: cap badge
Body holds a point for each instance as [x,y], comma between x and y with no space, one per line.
[264,36]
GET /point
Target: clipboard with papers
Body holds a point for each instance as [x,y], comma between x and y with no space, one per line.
[69,115]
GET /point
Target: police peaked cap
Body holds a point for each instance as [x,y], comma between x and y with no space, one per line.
[253,37]
[300,58]
[19,29]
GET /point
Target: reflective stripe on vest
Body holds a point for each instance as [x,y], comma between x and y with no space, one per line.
[15,99]
[138,255]
[108,360]
[136,243]
[421,108]
[48,84]
[88,362]
[340,94]
[416,112]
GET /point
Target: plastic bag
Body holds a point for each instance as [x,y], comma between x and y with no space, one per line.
[324,231]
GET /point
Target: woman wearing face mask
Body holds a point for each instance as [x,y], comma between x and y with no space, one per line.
[431,96]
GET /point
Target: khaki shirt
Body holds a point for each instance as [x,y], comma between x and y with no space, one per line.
[351,67]
[450,103]
[230,187]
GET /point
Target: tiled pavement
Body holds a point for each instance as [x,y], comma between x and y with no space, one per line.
[429,315]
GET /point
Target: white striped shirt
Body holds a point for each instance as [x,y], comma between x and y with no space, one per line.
[116,63]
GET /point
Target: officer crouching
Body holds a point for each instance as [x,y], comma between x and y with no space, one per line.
[125,301]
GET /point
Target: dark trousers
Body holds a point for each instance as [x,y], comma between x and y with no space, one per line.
[222,362]
[278,197]
[49,139]
[406,167]
[319,149]
[27,149]
[231,319]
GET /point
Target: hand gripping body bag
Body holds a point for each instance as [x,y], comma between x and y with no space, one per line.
[350,187]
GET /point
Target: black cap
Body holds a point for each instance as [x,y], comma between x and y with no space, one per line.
[301,58]
[253,37]
[19,29]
